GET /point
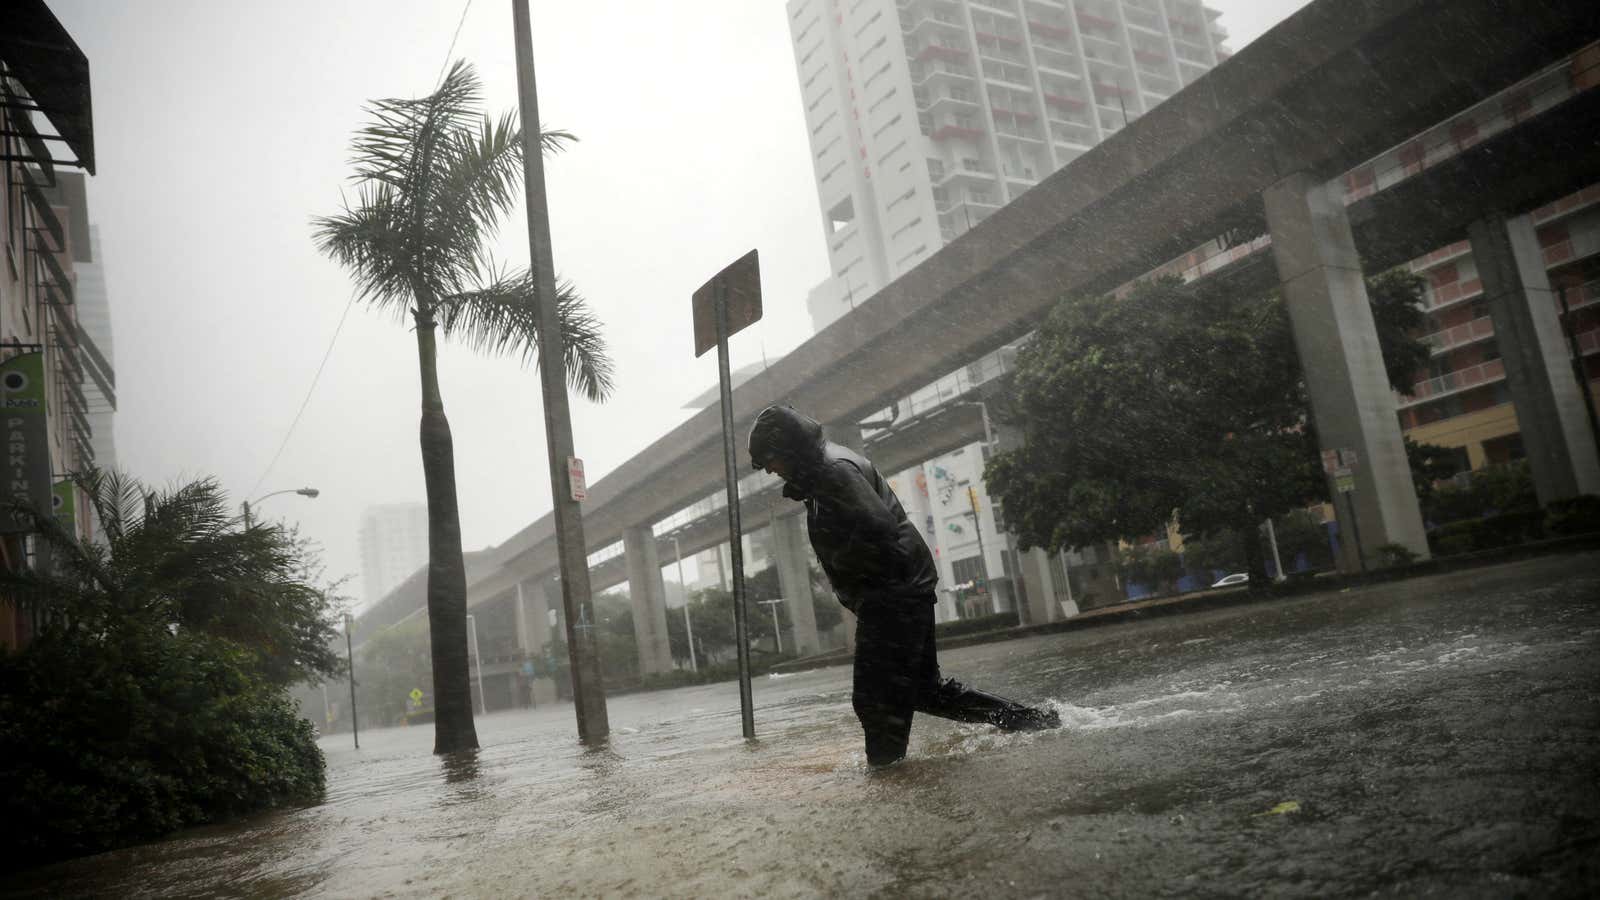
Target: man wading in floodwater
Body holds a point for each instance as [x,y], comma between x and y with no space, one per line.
[882,571]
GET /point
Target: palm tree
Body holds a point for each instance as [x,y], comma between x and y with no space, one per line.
[433,178]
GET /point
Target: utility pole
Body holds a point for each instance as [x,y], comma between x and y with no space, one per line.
[350,659]
[588,696]
[688,627]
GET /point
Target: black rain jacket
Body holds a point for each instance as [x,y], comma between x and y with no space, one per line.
[869,550]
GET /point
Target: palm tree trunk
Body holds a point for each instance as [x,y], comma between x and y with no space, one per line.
[453,729]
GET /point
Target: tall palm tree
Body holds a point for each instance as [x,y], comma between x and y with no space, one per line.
[433,178]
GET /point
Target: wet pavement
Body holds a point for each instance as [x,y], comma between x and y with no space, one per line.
[1435,737]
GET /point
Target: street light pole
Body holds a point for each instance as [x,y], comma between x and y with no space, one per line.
[588,695]
[777,633]
[688,627]
[244,507]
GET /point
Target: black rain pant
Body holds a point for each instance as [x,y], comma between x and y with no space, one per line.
[897,672]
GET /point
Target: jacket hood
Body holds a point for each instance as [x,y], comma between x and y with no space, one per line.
[783,432]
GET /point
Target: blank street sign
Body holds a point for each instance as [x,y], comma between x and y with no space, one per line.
[742,282]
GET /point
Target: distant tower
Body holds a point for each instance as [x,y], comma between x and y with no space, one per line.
[394,544]
[926,116]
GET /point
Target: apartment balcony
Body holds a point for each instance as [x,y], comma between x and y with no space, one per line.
[1064,63]
[1068,103]
[931,23]
[1478,329]
[1454,383]
[1019,134]
[1445,295]
[941,74]
[1091,40]
[1045,29]
[975,204]
[969,173]
[1003,40]
[1104,92]
[1589,342]
[996,10]
[951,131]
[1090,20]
[948,103]
[1150,56]
[941,52]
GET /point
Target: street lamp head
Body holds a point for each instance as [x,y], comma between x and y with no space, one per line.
[308,492]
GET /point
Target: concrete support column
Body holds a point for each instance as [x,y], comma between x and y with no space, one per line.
[1042,608]
[1351,401]
[649,595]
[533,618]
[789,542]
[1538,363]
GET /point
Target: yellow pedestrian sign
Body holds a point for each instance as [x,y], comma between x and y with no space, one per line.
[416,696]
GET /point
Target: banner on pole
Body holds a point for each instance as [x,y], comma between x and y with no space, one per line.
[64,504]
[27,436]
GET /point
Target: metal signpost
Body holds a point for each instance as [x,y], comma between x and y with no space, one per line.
[722,306]
[588,695]
[1341,464]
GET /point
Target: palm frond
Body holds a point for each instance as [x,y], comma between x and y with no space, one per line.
[502,318]
[371,240]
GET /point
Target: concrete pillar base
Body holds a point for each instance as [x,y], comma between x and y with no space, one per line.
[648,592]
[1538,363]
[789,542]
[1337,340]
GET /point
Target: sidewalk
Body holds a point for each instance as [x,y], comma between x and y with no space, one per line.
[1196,601]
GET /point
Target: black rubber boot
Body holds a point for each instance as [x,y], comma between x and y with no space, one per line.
[954,700]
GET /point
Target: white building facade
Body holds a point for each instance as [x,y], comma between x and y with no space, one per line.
[394,545]
[926,116]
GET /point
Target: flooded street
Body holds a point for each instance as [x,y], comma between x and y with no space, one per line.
[1439,736]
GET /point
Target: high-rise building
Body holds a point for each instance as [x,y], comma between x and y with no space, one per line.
[48,361]
[94,317]
[394,545]
[926,116]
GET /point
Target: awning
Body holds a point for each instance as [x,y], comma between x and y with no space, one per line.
[38,52]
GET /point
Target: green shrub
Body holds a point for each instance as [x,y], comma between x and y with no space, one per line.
[1473,535]
[1391,555]
[1575,515]
[114,739]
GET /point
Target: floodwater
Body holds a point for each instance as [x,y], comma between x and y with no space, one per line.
[1433,737]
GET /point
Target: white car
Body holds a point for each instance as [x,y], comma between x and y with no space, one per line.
[1231,580]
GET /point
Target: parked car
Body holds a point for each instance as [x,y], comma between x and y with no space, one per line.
[1231,580]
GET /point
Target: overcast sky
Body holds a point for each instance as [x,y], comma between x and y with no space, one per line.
[222,127]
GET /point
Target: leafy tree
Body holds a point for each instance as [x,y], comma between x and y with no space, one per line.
[154,694]
[434,177]
[619,649]
[1151,565]
[1171,401]
[711,614]
[1430,464]
[393,663]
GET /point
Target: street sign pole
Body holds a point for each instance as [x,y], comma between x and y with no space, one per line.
[588,695]
[723,306]
[741,629]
